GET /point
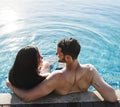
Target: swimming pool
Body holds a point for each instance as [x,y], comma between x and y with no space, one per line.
[95,23]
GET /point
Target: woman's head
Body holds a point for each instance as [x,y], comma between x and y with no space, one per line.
[28,57]
[23,74]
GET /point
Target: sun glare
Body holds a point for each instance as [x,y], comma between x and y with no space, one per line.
[8,15]
[8,19]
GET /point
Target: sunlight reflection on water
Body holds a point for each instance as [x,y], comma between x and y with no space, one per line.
[95,23]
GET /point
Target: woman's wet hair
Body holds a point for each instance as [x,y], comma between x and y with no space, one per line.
[24,72]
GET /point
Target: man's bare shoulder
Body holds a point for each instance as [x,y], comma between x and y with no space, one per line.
[88,67]
[57,74]
[51,82]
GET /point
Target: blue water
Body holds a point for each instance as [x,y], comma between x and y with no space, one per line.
[95,23]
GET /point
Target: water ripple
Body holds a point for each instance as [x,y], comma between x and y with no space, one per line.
[95,24]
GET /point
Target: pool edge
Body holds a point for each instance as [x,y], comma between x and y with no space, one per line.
[91,96]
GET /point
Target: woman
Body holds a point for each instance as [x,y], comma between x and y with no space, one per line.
[28,69]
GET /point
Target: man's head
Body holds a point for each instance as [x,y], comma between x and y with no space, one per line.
[68,46]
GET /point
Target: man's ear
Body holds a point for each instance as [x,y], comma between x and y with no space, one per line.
[68,58]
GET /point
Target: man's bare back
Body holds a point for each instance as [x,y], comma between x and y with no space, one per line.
[75,81]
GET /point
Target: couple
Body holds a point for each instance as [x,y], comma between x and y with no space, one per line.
[74,77]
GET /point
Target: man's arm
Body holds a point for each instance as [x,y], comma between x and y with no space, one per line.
[43,89]
[106,91]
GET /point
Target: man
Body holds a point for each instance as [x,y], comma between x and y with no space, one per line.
[75,77]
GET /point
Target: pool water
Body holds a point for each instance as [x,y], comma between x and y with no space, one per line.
[94,23]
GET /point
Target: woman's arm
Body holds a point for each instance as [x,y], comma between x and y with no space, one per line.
[44,68]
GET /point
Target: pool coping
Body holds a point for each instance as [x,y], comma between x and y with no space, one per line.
[91,96]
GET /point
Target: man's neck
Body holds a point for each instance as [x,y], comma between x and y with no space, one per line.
[72,66]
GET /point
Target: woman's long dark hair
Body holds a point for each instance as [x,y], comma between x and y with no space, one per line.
[23,73]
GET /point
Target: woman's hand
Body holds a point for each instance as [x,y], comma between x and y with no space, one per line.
[45,68]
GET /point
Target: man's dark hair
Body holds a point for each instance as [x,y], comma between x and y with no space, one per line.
[70,46]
